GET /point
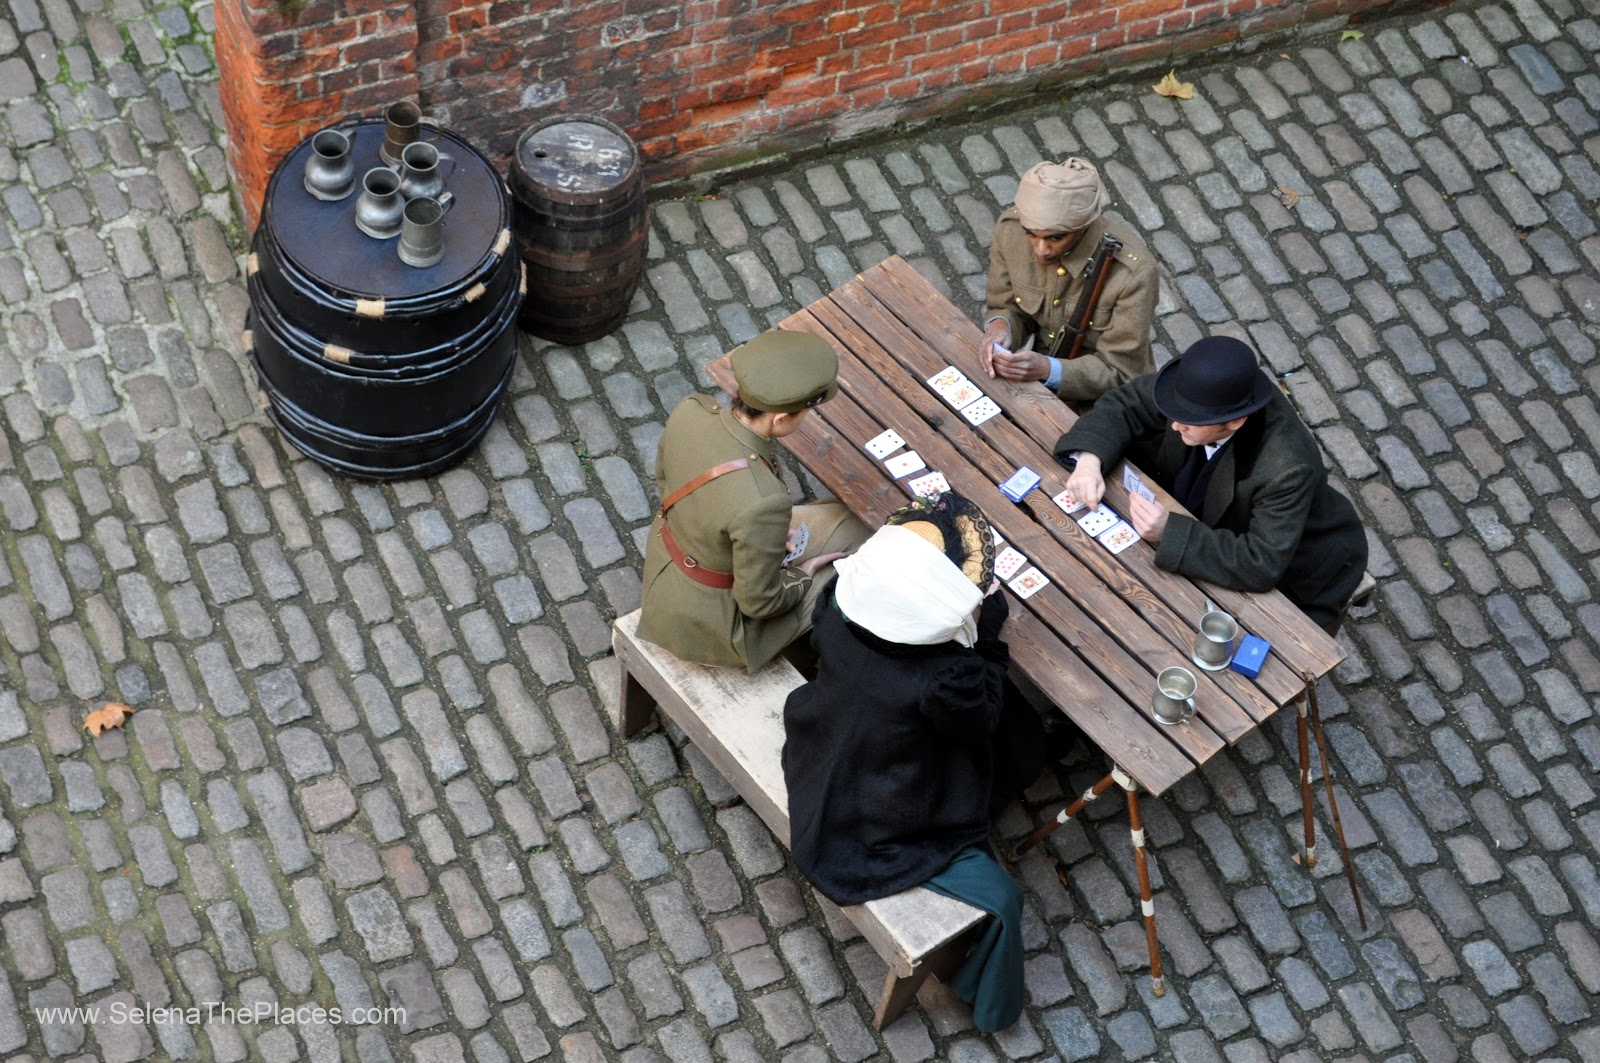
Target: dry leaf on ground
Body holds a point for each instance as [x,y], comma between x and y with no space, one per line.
[109,715]
[1351,35]
[1289,196]
[1171,86]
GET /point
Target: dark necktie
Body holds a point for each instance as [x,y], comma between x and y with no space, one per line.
[1184,489]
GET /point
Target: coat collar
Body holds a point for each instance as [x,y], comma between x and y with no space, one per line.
[758,446]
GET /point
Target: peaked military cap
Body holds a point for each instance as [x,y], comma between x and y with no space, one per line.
[785,372]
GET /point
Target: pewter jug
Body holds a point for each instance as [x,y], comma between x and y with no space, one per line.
[1174,699]
[420,175]
[330,172]
[381,206]
[1214,642]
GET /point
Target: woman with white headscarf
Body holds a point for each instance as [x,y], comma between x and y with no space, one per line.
[905,745]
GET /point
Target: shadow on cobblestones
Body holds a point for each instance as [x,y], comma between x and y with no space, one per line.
[368,765]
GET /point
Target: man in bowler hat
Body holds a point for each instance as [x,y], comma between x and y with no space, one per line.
[1214,430]
[717,588]
[1037,257]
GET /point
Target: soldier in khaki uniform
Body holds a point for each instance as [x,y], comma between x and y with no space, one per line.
[1036,264]
[716,588]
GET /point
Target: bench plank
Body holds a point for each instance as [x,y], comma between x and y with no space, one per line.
[736,720]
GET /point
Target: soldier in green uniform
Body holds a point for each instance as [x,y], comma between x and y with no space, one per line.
[1036,265]
[717,589]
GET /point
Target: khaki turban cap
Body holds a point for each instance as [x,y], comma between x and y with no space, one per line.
[1061,196]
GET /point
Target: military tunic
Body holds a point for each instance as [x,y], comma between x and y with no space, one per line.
[1038,300]
[736,523]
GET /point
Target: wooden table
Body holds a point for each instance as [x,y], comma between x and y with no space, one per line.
[1093,640]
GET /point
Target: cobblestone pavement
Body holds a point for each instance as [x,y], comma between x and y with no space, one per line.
[368,761]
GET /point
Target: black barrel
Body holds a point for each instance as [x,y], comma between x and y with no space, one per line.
[582,226]
[374,368]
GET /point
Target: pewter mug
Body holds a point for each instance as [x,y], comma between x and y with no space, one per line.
[419,171]
[381,206]
[1174,700]
[1214,643]
[403,123]
[330,172]
[422,231]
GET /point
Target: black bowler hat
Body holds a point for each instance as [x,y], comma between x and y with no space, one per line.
[1217,379]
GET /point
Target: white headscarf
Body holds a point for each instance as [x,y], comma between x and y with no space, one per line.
[903,589]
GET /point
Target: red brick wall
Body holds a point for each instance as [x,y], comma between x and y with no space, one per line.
[699,84]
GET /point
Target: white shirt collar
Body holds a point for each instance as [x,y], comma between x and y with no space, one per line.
[1212,448]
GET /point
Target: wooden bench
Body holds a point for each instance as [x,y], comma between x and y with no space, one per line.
[736,720]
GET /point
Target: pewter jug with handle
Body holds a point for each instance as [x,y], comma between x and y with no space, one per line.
[379,210]
[420,171]
[330,171]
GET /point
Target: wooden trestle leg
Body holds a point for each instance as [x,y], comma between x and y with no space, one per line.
[1333,802]
[1158,984]
[1309,856]
[1063,817]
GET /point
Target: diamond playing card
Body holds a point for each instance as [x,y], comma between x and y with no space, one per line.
[1007,562]
[905,464]
[1067,503]
[1029,583]
[884,443]
[1098,519]
[1120,536]
[1019,483]
[930,485]
[952,385]
[1136,486]
[980,411]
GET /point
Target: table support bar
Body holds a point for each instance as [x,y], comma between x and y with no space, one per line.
[1158,985]
[1308,700]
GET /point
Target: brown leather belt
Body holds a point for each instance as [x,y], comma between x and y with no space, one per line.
[708,577]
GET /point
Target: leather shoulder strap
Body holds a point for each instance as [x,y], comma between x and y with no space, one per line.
[700,481]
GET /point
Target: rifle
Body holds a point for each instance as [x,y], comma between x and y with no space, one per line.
[1094,274]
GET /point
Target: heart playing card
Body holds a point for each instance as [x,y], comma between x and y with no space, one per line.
[930,485]
[1007,563]
[905,464]
[1067,503]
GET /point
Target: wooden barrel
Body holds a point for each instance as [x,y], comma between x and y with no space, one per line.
[582,226]
[372,367]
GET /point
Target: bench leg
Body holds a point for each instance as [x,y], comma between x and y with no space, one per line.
[1309,854]
[635,705]
[941,963]
[1158,984]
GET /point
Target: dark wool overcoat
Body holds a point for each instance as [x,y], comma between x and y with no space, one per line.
[890,757]
[1270,517]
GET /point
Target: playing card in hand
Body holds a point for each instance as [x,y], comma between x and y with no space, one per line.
[799,538]
[1136,486]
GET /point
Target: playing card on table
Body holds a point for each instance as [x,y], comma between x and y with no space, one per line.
[980,411]
[884,443]
[1067,503]
[952,386]
[927,486]
[1098,519]
[1007,562]
[1136,486]
[905,464]
[1120,536]
[1019,483]
[1029,583]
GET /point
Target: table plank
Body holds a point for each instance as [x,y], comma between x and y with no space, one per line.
[1127,582]
[1300,644]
